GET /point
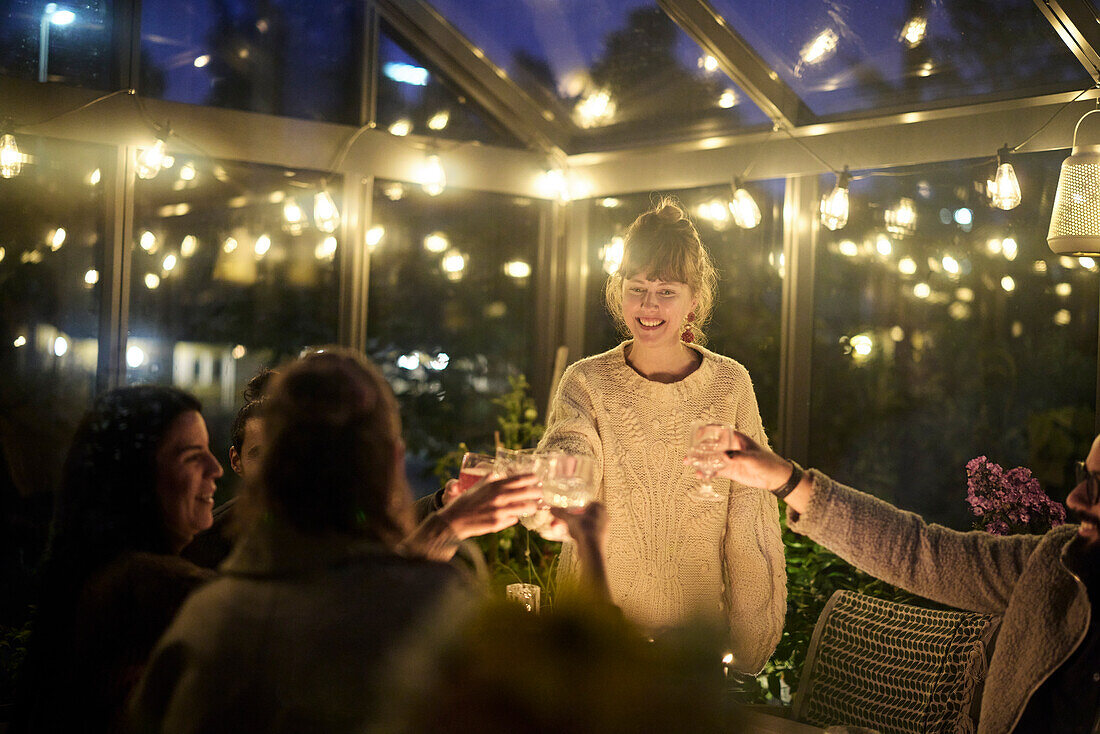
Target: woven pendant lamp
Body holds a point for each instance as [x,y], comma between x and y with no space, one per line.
[1075,221]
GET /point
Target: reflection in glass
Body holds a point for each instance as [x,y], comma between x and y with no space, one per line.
[746,318]
[413,98]
[622,66]
[847,57]
[220,285]
[282,57]
[52,240]
[68,42]
[452,310]
[965,336]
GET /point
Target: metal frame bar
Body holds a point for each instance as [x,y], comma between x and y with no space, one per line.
[1077,25]
[484,82]
[800,229]
[738,60]
[126,40]
[114,308]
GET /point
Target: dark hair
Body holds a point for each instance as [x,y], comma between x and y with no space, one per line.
[247,412]
[331,461]
[663,244]
[256,388]
[108,503]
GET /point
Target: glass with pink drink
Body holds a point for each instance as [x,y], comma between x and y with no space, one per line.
[475,468]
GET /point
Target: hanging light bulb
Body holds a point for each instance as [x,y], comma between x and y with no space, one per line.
[834,207]
[1005,192]
[11,158]
[1075,218]
[151,160]
[746,214]
[294,219]
[325,214]
[433,179]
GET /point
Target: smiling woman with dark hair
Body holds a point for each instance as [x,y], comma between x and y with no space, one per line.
[138,484]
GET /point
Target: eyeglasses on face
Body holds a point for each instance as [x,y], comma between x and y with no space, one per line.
[1091,480]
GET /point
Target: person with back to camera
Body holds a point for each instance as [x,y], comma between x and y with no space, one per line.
[1044,675]
[137,485]
[326,578]
[669,556]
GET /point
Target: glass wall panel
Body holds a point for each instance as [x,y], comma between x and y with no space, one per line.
[848,57]
[52,243]
[231,272]
[283,57]
[416,98]
[452,310]
[613,68]
[70,43]
[946,329]
[746,320]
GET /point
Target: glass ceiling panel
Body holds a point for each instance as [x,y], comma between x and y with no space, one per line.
[842,57]
[605,64]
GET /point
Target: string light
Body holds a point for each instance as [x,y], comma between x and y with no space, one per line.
[834,206]
[433,179]
[374,236]
[746,214]
[151,160]
[325,214]
[11,158]
[294,219]
[1004,190]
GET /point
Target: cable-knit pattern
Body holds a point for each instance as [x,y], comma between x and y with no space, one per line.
[671,557]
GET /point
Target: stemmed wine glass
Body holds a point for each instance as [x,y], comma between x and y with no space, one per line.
[708,441]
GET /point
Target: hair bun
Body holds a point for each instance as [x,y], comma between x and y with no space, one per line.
[669,212]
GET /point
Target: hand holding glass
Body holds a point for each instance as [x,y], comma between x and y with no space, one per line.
[568,480]
[475,468]
[708,441]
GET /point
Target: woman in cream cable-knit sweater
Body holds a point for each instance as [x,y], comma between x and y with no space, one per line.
[670,557]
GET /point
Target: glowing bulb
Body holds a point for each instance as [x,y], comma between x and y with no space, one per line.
[453,264]
[439,120]
[950,265]
[907,266]
[965,295]
[1005,192]
[1008,283]
[834,207]
[11,159]
[94,177]
[151,160]
[262,245]
[596,108]
[902,219]
[820,48]
[746,214]
[862,345]
[19,341]
[148,241]
[994,246]
[57,239]
[326,249]
[517,269]
[374,236]
[612,255]
[1087,262]
[3,253]
[400,128]
[135,356]
[152,281]
[1063,289]
[433,179]
[188,246]
[294,219]
[201,61]
[436,242]
[325,214]
[169,263]
[60,346]
[922,290]
[913,32]
[727,99]
[1062,317]
[440,361]
[709,63]
[91,277]
[847,248]
[884,246]
[963,217]
[238,351]
[187,172]
[229,245]
[1009,248]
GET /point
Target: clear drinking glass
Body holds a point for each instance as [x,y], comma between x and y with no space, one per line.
[510,462]
[568,480]
[475,468]
[707,442]
[526,595]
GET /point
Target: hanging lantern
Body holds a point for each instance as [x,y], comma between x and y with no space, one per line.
[1075,219]
[834,206]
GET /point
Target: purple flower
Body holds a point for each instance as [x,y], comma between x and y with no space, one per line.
[1010,501]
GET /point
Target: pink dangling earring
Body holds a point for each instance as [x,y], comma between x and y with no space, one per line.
[688,336]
